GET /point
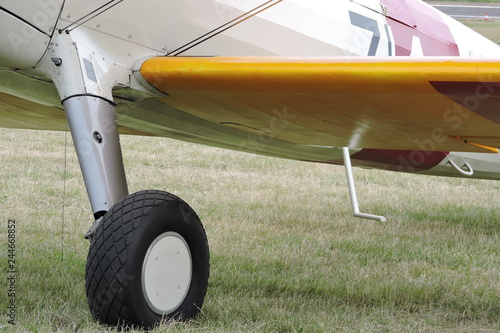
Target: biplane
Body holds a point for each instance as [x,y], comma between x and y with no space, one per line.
[387,84]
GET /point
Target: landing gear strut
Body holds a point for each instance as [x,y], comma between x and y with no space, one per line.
[148,258]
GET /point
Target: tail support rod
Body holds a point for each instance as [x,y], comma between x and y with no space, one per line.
[352,190]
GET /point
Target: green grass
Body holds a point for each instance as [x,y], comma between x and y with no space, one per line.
[286,256]
[490,29]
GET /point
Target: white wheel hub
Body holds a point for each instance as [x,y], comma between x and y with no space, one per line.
[166,273]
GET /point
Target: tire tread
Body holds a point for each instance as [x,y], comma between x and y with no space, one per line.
[105,273]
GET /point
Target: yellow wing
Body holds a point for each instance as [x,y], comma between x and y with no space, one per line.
[395,103]
[292,107]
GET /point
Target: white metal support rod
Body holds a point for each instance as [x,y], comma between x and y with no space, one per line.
[469,172]
[352,190]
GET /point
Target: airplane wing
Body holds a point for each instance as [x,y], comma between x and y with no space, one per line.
[438,104]
[294,107]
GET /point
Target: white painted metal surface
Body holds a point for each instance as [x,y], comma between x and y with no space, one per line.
[26,30]
[352,190]
[41,14]
[166,273]
[21,45]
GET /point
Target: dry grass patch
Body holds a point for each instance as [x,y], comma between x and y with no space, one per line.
[286,255]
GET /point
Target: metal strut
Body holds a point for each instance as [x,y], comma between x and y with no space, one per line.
[352,190]
[92,122]
[469,172]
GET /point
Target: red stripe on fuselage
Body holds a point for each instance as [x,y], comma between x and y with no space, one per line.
[413,18]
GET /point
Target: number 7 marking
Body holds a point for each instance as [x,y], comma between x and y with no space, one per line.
[369,24]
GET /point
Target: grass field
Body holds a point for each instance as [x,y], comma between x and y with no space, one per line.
[286,255]
[489,29]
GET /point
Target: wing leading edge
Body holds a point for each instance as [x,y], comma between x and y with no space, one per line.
[432,104]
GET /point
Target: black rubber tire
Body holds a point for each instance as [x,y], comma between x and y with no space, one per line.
[117,252]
